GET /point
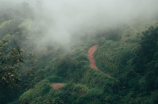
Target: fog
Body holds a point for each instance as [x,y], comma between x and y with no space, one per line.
[91,16]
[64,18]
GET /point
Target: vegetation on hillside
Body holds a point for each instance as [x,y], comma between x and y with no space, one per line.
[126,62]
[128,54]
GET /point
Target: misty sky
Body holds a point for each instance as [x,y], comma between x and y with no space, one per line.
[93,15]
[68,16]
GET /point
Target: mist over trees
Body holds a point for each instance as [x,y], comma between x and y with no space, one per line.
[46,42]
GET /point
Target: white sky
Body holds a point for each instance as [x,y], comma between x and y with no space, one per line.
[68,16]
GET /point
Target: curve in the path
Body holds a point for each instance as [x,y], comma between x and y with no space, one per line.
[92,64]
[57,85]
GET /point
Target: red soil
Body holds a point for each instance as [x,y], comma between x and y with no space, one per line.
[57,85]
[91,64]
[91,58]
[92,61]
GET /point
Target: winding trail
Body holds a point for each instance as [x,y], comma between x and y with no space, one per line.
[92,64]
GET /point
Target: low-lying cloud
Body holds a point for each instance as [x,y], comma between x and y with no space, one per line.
[66,17]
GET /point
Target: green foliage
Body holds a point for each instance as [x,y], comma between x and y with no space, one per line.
[39,89]
[63,97]
[154,97]
[39,75]
[135,77]
[5,23]
[123,53]
[10,58]
[101,41]
[149,43]
[92,97]
[55,79]
[27,95]
[13,70]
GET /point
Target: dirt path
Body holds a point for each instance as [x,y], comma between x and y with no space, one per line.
[91,64]
[57,85]
[92,60]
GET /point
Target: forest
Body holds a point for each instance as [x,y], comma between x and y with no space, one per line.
[29,68]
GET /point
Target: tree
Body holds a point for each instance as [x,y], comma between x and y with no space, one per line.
[145,59]
[149,43]
[11,68]
[10,58]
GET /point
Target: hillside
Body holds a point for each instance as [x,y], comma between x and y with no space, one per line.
[125,57]
[85,85]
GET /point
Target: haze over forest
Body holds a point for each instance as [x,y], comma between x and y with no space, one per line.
[63,18]
[78,51]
